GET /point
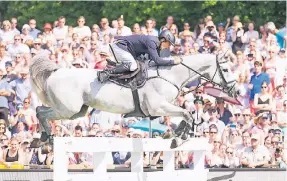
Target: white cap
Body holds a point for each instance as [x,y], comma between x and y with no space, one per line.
[271,26]
[25,26]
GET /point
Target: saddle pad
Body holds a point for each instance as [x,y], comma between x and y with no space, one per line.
[135,82]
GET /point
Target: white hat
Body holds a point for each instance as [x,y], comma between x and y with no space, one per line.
[25,26]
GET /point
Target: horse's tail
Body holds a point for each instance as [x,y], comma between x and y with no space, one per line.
[40,70]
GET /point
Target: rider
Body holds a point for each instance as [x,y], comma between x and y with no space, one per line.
[127,48]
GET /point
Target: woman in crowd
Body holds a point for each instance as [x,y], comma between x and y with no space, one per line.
[270,66]
[263,102]
[230,159]
[13,154]
[6,33]
[242,85]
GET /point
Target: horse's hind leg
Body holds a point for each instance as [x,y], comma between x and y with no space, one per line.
[44,114]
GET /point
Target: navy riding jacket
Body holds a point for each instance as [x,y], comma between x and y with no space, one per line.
[142,44]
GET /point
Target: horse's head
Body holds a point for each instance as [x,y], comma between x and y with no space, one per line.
[227,77]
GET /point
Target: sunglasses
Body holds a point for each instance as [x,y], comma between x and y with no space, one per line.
[198,92]
[211,110]
[3,140]
[264,87]
[116,131]
[246,115]
[37,44]
[229,152]
[237,115]
[212,132]
[271,52]
[206,132]
[216,142]
[274,142]
[17,39]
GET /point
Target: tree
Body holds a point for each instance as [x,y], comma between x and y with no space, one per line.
[139,11]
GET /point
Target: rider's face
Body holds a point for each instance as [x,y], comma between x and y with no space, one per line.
[165,44]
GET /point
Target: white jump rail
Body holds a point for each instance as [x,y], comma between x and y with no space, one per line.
[101,147]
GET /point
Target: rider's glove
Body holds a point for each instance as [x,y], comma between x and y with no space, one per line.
[177,59]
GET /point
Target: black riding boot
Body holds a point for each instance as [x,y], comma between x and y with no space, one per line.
[105,74]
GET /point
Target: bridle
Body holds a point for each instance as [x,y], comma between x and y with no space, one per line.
[224,84]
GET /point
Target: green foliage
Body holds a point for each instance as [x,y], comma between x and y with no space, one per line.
[138,11]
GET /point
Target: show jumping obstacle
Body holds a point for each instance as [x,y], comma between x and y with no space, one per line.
[102,147]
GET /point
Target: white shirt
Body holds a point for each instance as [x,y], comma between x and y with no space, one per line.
[13,49]
[125,31]
[83,31]
[61,33]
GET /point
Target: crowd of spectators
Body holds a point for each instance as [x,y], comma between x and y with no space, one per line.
[251,135]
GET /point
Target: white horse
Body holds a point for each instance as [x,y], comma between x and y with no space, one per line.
[67,93]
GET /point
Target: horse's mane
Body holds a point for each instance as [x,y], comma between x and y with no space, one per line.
[40,70]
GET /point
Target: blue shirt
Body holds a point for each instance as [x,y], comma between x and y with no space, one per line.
[34,33]
[4,85]
[22,89]
[280,38]
[256,81]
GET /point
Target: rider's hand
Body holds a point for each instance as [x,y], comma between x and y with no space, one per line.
[177,60]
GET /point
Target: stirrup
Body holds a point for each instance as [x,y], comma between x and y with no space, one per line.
[103,76]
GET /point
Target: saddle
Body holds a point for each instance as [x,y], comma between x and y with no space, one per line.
[133,80]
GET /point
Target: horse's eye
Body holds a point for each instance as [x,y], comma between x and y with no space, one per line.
[225,70]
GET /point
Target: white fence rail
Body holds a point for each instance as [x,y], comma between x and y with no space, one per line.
[101,147]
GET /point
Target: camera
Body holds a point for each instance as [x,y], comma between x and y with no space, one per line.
[277,150]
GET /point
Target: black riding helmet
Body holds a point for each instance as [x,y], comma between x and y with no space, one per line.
[168,36]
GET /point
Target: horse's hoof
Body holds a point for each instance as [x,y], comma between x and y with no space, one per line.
[44,137]
[173,144]
[36,143]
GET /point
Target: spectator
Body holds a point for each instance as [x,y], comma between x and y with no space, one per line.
[263,101]
[150,28]
[4,94]
[13,154]
[25,33]
[81,29]
[48,34]
[212,111]
[224,114]
[238,38]
[17,47]
[256,155]
[262,127]
[21,87]
[33,31]
[256,81]
[61,32]
[251,33]
[136,29]
[6,33]
[230,158]
[208,46]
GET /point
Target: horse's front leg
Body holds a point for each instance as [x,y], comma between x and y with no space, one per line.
[181,132]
